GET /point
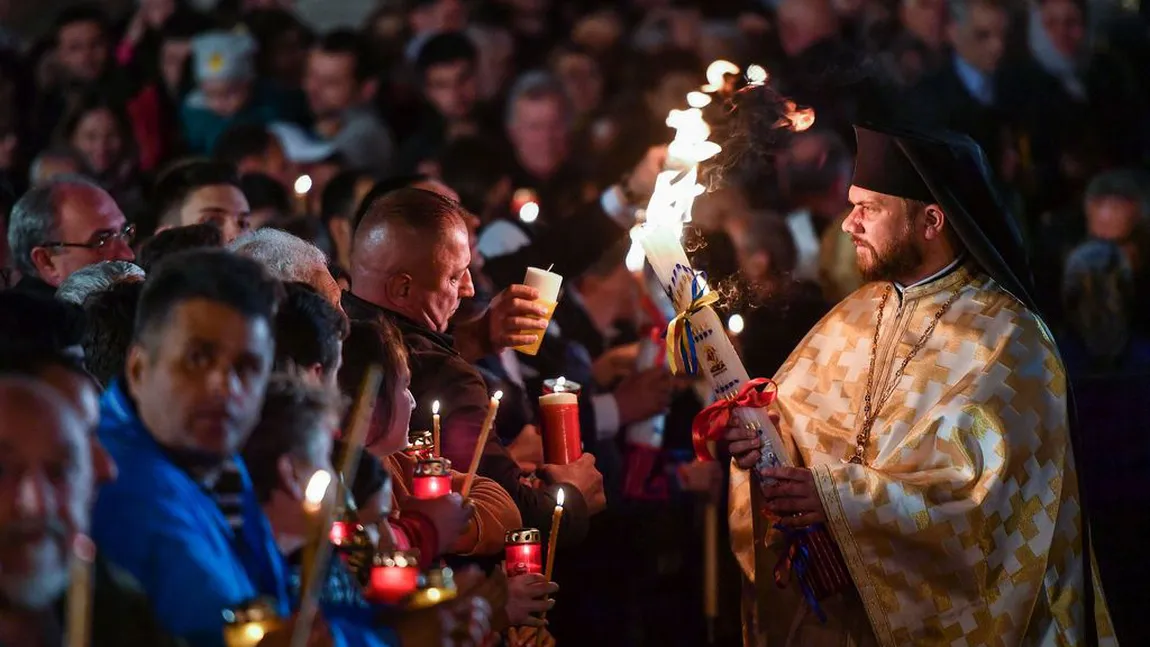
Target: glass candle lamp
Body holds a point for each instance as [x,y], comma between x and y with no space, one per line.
[523,552]
[394,576]
[432,478]
[247,624]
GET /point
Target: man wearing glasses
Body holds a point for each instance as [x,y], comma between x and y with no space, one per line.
[67,224]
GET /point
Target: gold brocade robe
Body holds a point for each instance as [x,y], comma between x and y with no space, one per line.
[963,526]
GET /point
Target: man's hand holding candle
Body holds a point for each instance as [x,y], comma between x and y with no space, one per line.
[527,596]
[583,476]
[743,444]
[794,497]
[515,319]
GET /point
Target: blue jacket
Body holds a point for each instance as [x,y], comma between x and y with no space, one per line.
[165,529]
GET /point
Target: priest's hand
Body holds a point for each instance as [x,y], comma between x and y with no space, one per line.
[743,444]
[793,496]
[527,596]
[514,319]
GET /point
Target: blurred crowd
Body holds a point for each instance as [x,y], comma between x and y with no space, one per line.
[373,196]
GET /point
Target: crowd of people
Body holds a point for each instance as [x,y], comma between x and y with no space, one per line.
[219,222]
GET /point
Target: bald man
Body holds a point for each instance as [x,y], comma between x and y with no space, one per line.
[46,483]
[410,265]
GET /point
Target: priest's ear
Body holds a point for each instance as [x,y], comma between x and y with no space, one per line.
[934,222]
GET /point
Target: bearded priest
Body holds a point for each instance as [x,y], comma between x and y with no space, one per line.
[930,421]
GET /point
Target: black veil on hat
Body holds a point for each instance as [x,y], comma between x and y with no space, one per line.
[949,169]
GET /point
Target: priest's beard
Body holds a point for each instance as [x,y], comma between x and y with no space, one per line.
[901,257]
[40,572]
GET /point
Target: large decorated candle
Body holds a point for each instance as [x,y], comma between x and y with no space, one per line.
[432,478]
[548,284]
[562,442]
[523,552]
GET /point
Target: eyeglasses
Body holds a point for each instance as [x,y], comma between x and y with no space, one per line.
[100,240]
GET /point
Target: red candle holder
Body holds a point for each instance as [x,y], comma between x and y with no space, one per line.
[420,445]
[394,576]
[432,478]
[562,442]
[523,552]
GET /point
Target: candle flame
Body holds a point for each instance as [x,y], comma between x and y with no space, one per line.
[254,632]
[317,489]
[757,75]
[302,184]
[560,382]
[636,257]
[717,75]
[736,324]
[796,119]
[433,595]
[698,99]
[559,498]
[529,212]
[498,396]
[435,408]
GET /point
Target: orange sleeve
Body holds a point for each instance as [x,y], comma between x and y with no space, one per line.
[495,514]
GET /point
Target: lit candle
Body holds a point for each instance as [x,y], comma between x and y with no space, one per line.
[548,284]
[247,624]
[313,500]
[523,552]
[484,432]
[302,187]
[562,442]
[79,622]
[552,544]
[394,576]
[735,324]
[435,446]
[432,478]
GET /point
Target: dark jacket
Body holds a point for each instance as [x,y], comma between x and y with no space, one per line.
[439,372]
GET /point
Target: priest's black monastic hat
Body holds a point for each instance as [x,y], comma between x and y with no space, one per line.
[950,170]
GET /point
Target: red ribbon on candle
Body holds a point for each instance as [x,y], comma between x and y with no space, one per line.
[709,424]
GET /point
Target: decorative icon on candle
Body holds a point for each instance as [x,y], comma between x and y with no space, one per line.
[562,439]
[435,586]
[394,576]
[432,478]
[484,432]
[552,544]
[247,624]
[436,448]
[420,445]
[523,552]
[735,324]
[548,284]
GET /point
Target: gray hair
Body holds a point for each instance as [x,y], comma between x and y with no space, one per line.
[33,221]
[89,280]
[36,170]
[532,86]
[286,257]
[1127,184]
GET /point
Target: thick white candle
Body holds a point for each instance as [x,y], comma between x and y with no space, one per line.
[548,283]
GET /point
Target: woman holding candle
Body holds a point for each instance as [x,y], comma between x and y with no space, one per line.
[453,529]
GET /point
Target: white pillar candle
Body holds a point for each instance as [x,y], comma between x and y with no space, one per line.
[548,283]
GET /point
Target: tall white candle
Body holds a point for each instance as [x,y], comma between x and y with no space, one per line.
[548,283]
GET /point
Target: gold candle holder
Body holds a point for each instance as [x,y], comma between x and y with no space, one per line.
[436,586]
[247,624]
[420,444]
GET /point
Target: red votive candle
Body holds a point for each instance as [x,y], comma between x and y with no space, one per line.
[394,576]
[341,533]
[432,478]
[523,552]
[562,443]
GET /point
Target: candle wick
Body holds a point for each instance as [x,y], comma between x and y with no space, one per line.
[550,266]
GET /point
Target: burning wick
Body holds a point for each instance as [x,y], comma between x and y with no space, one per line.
[302,184]
[560,384]
[736,324]
[529,212]
[796,119]
[757,75]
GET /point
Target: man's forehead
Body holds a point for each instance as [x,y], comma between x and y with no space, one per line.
[205,320]
[84,206]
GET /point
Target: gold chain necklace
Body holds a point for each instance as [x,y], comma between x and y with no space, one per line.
[871,409]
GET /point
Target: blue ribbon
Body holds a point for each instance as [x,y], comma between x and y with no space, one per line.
[682,355]
[800,562]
